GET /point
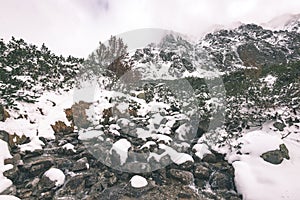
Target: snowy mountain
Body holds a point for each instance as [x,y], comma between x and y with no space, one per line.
[287,22]
[212,119]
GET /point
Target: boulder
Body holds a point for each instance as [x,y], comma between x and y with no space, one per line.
[80,165]
[37,166]
[221,181]
[276,156]
[76,184]
[280,126]
[79,114]
[202,172]
[185,177]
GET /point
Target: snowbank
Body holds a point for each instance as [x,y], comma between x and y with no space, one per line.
[257,179]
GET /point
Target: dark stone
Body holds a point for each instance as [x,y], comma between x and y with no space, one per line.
[63,163]
[284,151]
[221,181]
[80,165]
[202,172]
[186,165]
[12,174]
[24,193]
[45,184]
[76,184]
[276,156]
[32,184]
[209,158]
[96,188]
[12,190]
[37,166]
[185,177]
[280,126]
[4,135]
[30,154]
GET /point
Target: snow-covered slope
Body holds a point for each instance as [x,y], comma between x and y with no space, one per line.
[288,22]
[154,107]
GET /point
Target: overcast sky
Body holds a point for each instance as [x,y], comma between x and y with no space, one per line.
[75,26]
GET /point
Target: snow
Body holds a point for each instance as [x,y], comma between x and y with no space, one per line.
[8,197]
[257,179]
[56,175]
[201,150]
[34,144]
[121,147]
[148,144]
[4,154]
[69,146]
[138,181]
[269,80]
[86,135]
[176,157]
[52,105]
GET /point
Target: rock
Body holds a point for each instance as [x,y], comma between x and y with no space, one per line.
[141,95]
[61,127]
[183,176]
[12,174]
[45,184]
[15,160]
[80,165]
[284,151]
[96,188]
[186,192]
[69,114]
[76,184]
[79,114]
[115,192]
[160,176]
[24,193]
[37,166]
[47,195]
[230,195]
[138,192]
[280,126]
[108,179]
[32,184]
[221,181]
[186,165]
[276,156]
[202,172]
[12,190]
[30,154]
[63,163]
[4,135]
[3,113]
[14,140]
[209,158]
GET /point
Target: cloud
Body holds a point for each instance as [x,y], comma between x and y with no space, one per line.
[76,26]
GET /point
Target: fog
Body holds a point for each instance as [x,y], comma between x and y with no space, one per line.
[76,26]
